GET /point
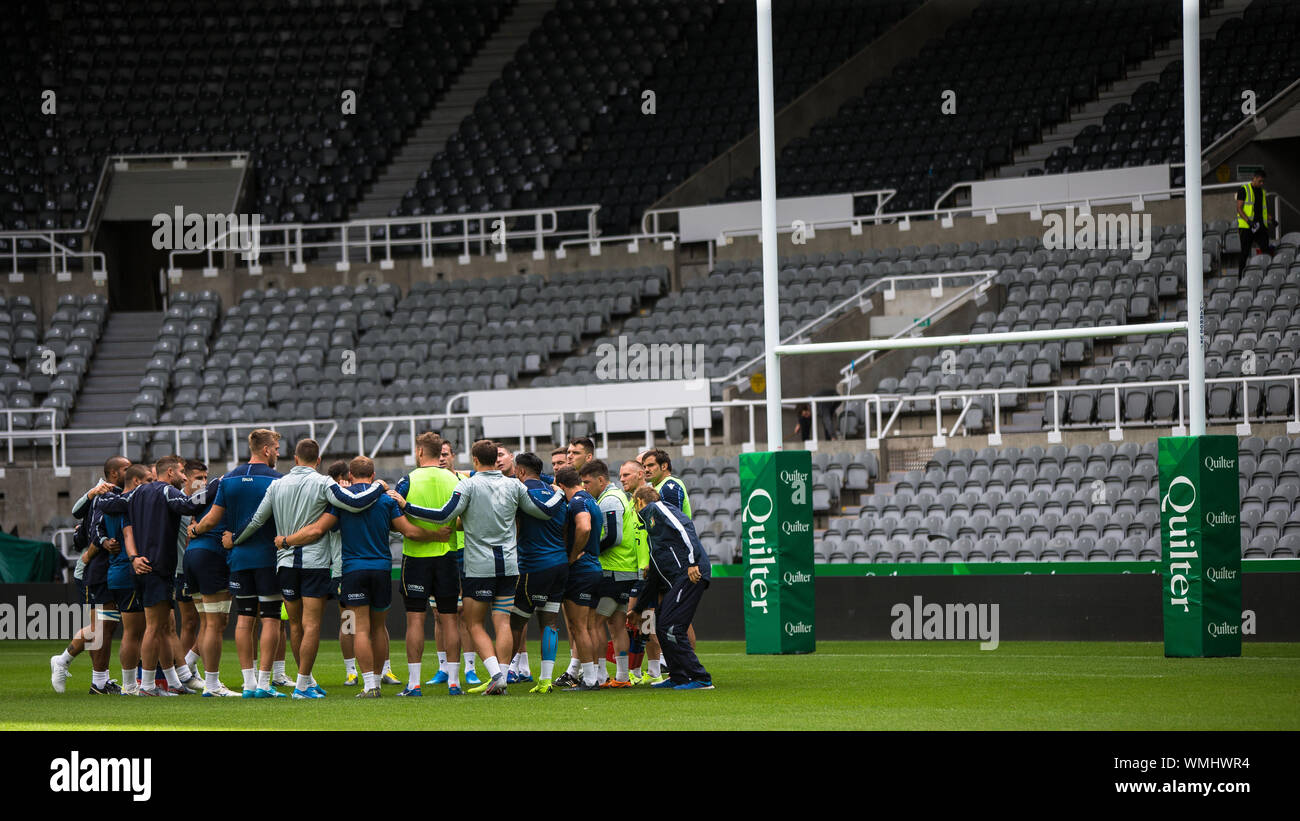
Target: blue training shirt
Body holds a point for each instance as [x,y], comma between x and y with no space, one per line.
[541,541]
[240,492]
[583,502]
[365,534]
[212,539]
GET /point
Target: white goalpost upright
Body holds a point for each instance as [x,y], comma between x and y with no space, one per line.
[1192,206]
[767,176]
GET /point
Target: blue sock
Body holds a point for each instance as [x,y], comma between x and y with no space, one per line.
[550,642]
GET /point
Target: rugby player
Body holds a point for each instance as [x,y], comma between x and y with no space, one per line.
[207,576]
[632,476]
[338,471]
[121,582]
[581,451]
[582,540]
[487,502]
[466,645]
[430,568]
[543,569]
[367,564]
[195,473]
[559,459]
[618,563]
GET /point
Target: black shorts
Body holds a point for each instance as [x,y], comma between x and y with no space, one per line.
[582,586]
[538,589]
[489,588]
[127,599]
[368,588]
[181,589]
[618,589]
[253,583]
[301,582]
[154,588]
[336,589]
[97,593]
[206,572]
[431,576]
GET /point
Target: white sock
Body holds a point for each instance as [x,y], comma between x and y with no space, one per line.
[65,657]
[250,678]
[653,664]
[548,667]
[413,673]
[388,668]
[452,669]
[212,680]
[574,666]
[493,666]
[371,680]
[312,679]
[514,663]
[184,672]
[147,683]
[173,680]
[190,658]
[99,678]
[304,683]
[522,669]
[602,672]
[442,658]
[128,676]
[350,666]
[277,669]
[588,672]
[469,662]
[621,663]
[264,679]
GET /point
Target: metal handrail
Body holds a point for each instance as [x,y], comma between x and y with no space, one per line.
[882,195]
[1245,120]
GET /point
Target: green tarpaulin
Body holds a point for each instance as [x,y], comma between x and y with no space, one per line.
[24,561]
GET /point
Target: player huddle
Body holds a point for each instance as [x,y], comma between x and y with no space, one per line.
[616,557]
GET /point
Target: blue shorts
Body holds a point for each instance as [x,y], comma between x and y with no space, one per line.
[489,588]
[425,577]
[253,583]
[298,582]
[206,572]
[618,589]
[127,599]
[583,586]
[181,589]
[154,588]
[540,588]
[97,593]
[368,588]
[82,596]
[335,591]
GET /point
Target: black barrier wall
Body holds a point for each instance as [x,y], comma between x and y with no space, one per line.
[1028,608]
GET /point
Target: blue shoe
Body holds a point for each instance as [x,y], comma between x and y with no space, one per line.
[308,693]
[440,678]
[455,691]
[511,677]
[319,689]
[522,678]
[664,685]
[411,691]
[694,685]
[271,693]
[249,694]
[471,678]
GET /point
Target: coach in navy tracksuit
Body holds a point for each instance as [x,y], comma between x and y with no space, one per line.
[683,566]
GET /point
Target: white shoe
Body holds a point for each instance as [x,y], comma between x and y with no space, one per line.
[193,684]
[223,691]
[131,688]
[281,681]
[58,674]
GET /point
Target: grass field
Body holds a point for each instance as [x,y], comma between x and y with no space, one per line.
[844,686]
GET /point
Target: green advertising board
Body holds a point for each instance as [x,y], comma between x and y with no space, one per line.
[776,522]
[1200,540]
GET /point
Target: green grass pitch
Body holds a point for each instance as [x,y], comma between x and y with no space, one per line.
[844,686]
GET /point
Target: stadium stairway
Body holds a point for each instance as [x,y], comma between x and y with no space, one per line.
[385,194]
[1093,113]
[114,378]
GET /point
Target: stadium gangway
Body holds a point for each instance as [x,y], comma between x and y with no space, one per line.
[890,293]
[54,251]
[1258,123]
[651,218]
[58,438]
[488,228]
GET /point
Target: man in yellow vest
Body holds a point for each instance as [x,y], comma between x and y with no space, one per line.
[1253,221]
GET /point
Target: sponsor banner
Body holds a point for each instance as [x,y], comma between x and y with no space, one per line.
[1200,538]
[777,536]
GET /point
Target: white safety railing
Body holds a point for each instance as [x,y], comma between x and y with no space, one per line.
[356,240]
[51,250]
[667,241]
[651,219]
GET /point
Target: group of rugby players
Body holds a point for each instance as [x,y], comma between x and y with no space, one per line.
[617,558]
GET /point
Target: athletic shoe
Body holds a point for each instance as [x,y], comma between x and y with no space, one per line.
[471,678]
[308,693]
[581,687]
[221,692]
[179,691]
[512,677]
[481,688]
[58,674]
[665,684]
[565,680]
[389,678]
[112,688]
[193,684]
[695,685]
[131,689]
[653,681]
[439,678]
[281,681]
[495,687]
[634,678]
[97,691]
[150,693]
[523,678]
[455,691]
[318,689]
[371,693]
[615,684]
[352,680]
[543,686]
[271,693]
[411,691]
